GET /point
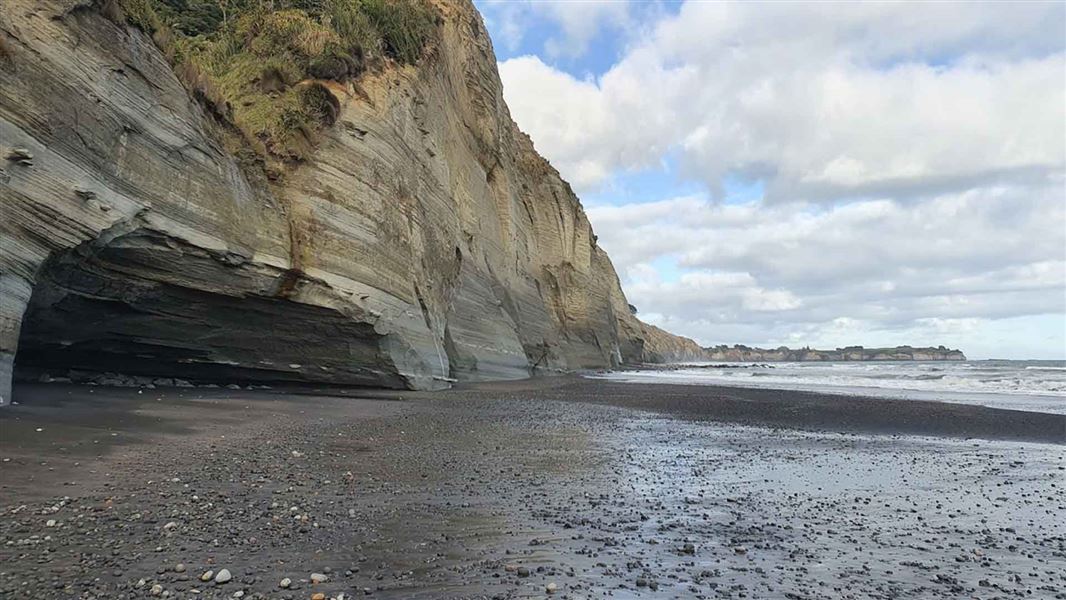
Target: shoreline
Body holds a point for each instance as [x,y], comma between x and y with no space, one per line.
[802,410]
[808,410]
[1030,386]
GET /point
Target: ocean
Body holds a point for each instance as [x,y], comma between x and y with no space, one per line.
[1034,385]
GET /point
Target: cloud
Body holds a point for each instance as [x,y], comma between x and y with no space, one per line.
[821,101]
[575,24]
[580,22]
[912,163]
[585,132]
[872,270]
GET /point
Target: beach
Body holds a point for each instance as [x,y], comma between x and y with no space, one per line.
[565,487]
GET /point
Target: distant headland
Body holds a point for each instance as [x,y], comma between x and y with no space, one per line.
[740,352]
[660,346]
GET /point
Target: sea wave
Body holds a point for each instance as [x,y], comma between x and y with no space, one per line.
[1019,384]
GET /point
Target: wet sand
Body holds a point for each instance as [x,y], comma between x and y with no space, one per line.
[501,490]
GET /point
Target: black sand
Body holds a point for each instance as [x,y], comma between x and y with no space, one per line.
[798,410]
[499,490]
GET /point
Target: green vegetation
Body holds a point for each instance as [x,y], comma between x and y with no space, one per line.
[259,64]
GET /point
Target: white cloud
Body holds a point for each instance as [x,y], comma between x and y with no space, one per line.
[580,22]
[913,158]
[872,270]
[733,289]
[822,100]
[577,23]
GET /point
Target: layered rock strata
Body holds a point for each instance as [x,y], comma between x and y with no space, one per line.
[425,241]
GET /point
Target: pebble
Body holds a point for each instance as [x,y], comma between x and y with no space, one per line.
[319,578]
[766,539]
[207,576]
[223,576]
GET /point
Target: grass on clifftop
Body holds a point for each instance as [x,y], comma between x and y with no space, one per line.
[260,64]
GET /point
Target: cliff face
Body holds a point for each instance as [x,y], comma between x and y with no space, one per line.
[424,241]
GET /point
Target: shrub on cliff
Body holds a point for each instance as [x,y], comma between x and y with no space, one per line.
[253,62]
[405,25]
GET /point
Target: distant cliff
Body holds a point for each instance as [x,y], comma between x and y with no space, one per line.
[661,346]
[850,353]
[286,195]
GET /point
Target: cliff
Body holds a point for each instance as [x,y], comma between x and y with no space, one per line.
[661,346]
[419,238]
[851,353]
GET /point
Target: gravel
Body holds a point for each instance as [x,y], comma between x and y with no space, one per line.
[507,490]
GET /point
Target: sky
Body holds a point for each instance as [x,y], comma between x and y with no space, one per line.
[821,174]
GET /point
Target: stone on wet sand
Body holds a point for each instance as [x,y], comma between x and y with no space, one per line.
[494,486]
[223,576]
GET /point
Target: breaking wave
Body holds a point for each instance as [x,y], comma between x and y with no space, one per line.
[1025,385]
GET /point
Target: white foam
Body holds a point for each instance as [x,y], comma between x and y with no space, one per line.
[1010,384]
